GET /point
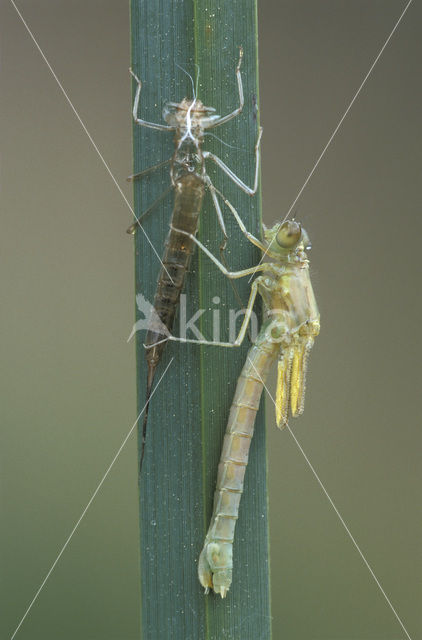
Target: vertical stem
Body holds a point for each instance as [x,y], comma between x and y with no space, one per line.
[189,411]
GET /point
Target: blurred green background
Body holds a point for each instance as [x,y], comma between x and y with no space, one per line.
[67,375]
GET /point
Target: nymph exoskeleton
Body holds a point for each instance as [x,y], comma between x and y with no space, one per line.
[189,119]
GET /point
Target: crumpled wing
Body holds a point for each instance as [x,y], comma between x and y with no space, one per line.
[298,377]
[282,398]
[291,380]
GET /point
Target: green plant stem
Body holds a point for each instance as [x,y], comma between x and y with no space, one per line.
[189,410]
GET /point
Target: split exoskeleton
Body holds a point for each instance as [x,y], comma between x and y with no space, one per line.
[188,119]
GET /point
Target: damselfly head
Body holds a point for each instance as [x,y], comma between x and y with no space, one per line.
[288,234]
[286,238]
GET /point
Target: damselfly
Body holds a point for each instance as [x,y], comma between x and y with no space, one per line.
[287,335]
[188,119]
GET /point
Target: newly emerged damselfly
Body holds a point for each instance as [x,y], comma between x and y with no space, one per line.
[287,335]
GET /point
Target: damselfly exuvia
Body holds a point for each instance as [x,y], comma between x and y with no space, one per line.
[188,119]
[287,335]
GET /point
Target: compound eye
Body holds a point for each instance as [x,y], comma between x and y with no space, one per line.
[289,234]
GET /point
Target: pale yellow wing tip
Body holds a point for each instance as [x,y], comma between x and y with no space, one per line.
[282,423]
[223,591]
[283,388]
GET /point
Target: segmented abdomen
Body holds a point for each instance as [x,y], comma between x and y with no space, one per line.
[189,192]
[215,564]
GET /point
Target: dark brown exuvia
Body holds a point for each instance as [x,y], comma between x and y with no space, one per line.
[188,119]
